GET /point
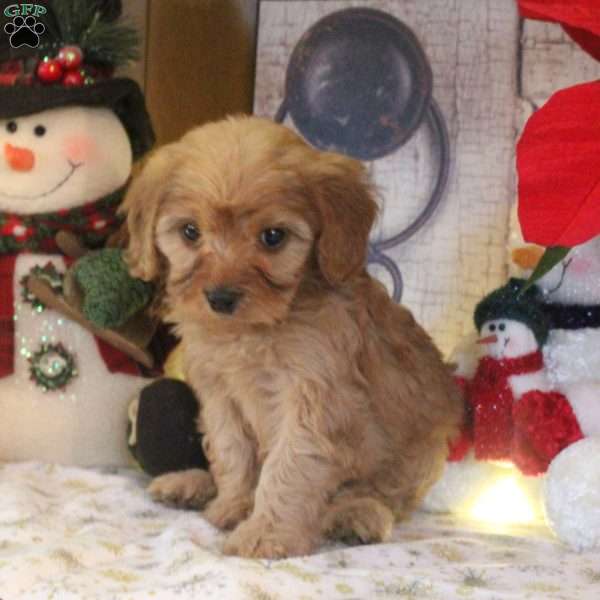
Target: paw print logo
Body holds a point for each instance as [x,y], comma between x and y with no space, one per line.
[24,31]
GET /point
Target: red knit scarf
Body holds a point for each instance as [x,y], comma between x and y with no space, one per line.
[93,223]
[492,403]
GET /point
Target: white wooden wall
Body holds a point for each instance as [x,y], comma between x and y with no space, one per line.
[489,71]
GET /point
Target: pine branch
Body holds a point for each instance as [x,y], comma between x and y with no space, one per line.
[110,44]
[79,22]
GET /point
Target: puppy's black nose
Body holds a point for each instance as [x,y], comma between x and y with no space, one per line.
[223,299]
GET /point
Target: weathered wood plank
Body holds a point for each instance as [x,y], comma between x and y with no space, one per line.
[551,60]
[472,45]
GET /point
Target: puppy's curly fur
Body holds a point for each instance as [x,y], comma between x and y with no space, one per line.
[326,408]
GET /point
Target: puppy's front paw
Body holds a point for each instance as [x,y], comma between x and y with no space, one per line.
[226,513]
[363,521]
[188,489]
[257,538]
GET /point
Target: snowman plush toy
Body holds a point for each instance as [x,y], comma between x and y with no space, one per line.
[514,414]
[69,132]
[570,298]
[517,417]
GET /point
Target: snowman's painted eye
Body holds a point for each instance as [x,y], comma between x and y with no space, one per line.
[492,327]
[502,327]
[39,130]
[11,126]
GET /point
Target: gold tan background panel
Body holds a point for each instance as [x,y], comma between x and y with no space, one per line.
[200,58]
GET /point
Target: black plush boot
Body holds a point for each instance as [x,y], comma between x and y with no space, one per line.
[165,436]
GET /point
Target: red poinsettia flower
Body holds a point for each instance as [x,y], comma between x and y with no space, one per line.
[558,164]
[579,18]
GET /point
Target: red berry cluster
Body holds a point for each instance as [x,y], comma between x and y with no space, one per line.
[65,68]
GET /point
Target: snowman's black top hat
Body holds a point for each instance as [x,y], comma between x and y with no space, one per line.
[33,79]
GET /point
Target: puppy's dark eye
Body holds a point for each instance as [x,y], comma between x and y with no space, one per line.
[190,232]
[39,130]
[272,238]
[502,327]
[492,327]
[11,126]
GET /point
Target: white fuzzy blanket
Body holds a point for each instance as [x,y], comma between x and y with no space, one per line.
[69,534]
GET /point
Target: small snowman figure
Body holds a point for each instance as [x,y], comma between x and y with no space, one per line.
[69,132]
[517,416]
[513,414]
[571,300]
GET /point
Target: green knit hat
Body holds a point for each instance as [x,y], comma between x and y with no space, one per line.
[506,303]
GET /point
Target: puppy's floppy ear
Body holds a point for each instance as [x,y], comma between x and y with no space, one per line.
[345,201]
[142,204]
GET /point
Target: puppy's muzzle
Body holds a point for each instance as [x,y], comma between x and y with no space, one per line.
[223,299]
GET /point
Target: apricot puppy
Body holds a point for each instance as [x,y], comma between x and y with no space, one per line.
[326,408]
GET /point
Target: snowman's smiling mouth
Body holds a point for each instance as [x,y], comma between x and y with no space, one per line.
[73,167]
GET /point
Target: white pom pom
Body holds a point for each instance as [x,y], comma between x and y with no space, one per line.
[572,494]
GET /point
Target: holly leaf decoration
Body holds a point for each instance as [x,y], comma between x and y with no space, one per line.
[551,257]
[558,165]
[579,18]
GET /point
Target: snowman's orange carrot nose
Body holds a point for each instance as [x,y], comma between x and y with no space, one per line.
[490,339]
[19,159]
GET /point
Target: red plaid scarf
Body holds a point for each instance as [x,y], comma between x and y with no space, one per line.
[93,222]
[492,403]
